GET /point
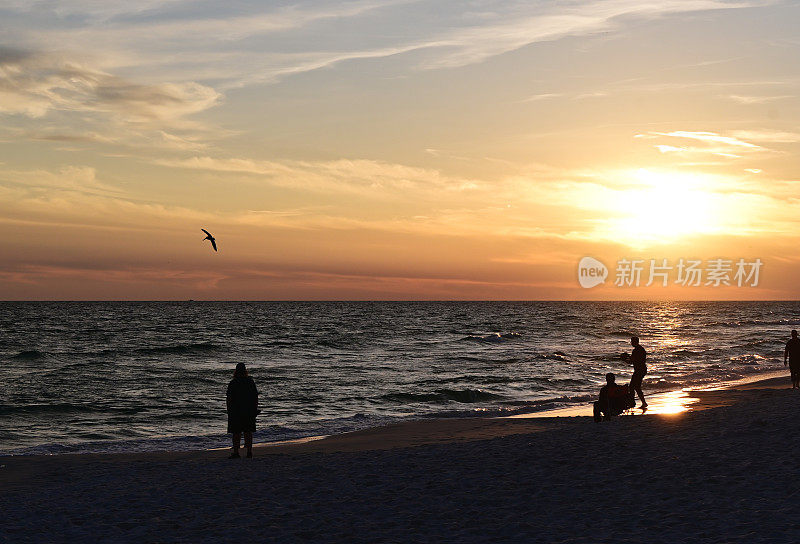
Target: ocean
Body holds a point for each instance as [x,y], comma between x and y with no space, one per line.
[146,376]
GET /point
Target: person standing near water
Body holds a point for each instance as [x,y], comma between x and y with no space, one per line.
[638,360]
[792,352]
[242,403]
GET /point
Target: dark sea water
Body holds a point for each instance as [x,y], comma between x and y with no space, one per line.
[136,376]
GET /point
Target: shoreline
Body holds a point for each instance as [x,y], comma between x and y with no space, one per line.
[426,431]
[418,432]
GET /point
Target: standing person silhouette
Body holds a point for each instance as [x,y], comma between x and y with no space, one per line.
[242,403]
[637,359]
[792,352]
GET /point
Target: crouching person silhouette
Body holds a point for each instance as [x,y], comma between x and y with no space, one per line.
[614,399]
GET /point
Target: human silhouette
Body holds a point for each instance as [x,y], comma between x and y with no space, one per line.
[211,238]
[242,403]
[792,352]
[637,359]
[614,399]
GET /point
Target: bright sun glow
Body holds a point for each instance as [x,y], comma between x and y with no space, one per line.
[665,206]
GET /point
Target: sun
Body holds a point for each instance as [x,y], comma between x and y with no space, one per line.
[662,207]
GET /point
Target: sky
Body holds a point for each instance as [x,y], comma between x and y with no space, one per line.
[398,149]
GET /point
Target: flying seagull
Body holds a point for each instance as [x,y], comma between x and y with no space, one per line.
[209,237]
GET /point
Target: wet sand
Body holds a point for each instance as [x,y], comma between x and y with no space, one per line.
[722,472]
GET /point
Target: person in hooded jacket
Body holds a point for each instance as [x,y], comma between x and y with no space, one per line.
[242,403]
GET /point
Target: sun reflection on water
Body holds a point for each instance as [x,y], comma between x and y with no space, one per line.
[672,402]
[665,404]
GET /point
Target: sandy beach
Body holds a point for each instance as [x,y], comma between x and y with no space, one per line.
[722,472]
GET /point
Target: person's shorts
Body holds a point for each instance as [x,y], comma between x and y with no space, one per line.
[638,376]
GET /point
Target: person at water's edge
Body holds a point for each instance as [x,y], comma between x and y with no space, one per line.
[792,352]
[242,403]
[638,358]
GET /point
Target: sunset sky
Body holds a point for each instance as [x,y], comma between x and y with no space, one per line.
[394,149]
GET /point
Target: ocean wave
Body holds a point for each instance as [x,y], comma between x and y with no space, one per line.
[443,395]
[758,322]
[663,384]
[763,342]
[558,381]
[556,355]
[609,357]
[341,341]
[491,338]
[621,334]
[684,353]
[29,355]
[336,344]
[749,359]
[505,361]
[64,407]
[281,343]
[180,349]
[518,407]
[472,378]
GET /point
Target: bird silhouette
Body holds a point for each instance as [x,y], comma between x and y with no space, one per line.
[209,237]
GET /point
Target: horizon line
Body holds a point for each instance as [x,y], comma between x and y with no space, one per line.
[9,301]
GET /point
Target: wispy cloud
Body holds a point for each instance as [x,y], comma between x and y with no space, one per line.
[187,21]
[574,96]
[775,136]
[35,83]
[190,53]
[263,42]
[82,179]
[708,137]
[731,147]
[517,27]
[538,97]
[595,94]
[745,99]
[342,175]
[105,275]
[68,101]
